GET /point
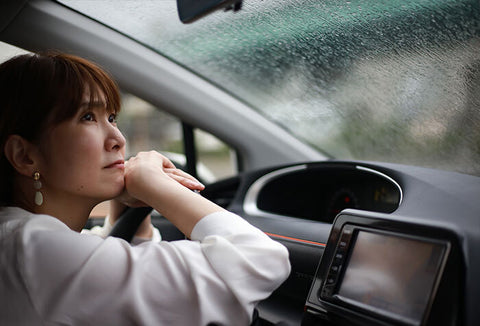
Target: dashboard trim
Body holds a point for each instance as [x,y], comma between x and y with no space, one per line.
[284,237]
[250,202]
[362,168]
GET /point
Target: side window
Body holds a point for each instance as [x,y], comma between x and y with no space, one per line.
[216,159]
[146,127]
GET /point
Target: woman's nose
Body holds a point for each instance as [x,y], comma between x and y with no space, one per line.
[115,139]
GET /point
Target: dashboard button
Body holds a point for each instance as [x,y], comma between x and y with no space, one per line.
[327,291]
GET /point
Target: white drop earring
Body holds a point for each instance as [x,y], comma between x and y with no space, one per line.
[37,184]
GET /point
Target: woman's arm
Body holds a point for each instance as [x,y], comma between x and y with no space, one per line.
[152,179]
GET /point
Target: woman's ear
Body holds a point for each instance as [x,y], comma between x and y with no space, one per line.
[21,154]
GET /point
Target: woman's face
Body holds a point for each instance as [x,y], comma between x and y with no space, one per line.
[84,156]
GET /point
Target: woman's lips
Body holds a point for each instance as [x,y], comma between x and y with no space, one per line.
[120,164]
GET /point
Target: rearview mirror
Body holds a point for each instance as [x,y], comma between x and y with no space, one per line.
[191,10]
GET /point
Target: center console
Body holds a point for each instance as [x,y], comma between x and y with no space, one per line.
[382,272]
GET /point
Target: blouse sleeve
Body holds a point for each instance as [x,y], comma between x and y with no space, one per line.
[218,277]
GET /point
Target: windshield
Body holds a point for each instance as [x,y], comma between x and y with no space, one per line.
[394,81]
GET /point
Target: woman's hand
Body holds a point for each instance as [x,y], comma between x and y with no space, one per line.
[151,179]
[137,173]
[152,168]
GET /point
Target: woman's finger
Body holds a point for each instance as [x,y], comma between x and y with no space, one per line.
[181,173]
[189,182]
[166,161]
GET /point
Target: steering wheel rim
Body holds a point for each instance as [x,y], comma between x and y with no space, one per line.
[127,224]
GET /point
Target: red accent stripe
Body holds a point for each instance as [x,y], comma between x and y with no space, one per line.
[295,239]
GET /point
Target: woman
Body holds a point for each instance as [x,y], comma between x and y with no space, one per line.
[62,155]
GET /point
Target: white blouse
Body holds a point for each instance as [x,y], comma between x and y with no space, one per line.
[52,275]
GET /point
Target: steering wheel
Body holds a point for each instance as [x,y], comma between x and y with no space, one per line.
[127,224]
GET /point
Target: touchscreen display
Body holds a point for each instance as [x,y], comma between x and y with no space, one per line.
[392,275]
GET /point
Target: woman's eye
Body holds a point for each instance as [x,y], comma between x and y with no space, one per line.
[112,118]
[88,117]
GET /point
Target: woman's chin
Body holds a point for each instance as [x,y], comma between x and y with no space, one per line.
[117,193]
[114,192]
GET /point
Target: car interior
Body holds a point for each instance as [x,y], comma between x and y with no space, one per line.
[373,185]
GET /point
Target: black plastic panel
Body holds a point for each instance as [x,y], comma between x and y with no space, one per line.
[320,193]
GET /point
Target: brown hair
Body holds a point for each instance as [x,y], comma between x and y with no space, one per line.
[39,91]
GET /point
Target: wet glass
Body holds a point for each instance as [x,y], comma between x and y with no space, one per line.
[147,127]
[384,80]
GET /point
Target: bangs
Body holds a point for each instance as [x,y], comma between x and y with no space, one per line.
[74,78]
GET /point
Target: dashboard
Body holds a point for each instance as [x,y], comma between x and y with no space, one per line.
[410,256]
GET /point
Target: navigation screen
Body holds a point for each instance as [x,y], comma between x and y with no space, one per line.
[392,275]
